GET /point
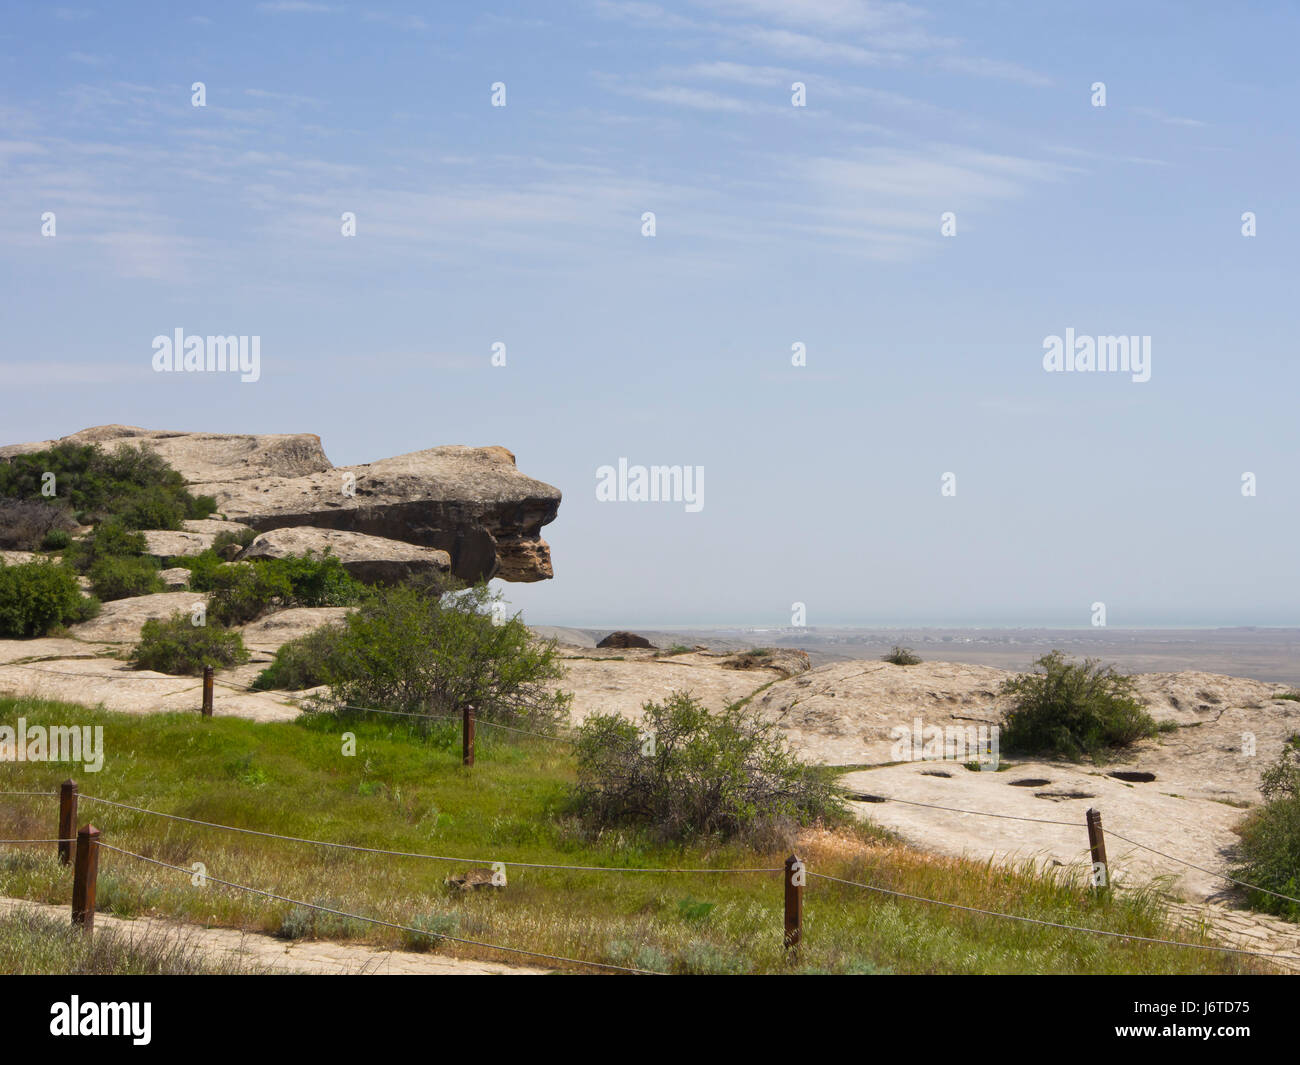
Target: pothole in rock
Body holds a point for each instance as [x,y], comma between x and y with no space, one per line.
[1029,782]
[1133,776]
[935,773]
[862,796]
[1065,793]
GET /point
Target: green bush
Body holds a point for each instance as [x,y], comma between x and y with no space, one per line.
[56,540]
[419,649]
[178,646]
[132,482]
[1072,709]
[244,591]
[687,772]
[1270,838]
[203,568]
[110,539]
[302,663]
[240,539]
[38,596]
[118,577]
[902,656]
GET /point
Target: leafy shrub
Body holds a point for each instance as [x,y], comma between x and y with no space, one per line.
[247,590]
[132,482]
[1270,838]
[110,539]
[177,646]
[37,596]
[418,649]
[686,772]
[118,577]
[302,663]
[25,524]
[902,656]
[203,568]
[240,539]
[1070,709]
[56,540]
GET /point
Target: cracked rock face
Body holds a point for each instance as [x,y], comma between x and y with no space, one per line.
[470,502]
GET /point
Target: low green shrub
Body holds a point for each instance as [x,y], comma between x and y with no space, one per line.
[178,646]
[118,577]
[244,591]
[39,596]
[132,482]
[1071,709]
[685,771]
[1270,838]
[303,663]
[109,539]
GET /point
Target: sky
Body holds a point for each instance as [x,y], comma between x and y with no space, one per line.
[945,197]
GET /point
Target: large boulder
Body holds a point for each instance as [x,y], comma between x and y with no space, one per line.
[624,640]
[470,502]
[373,559]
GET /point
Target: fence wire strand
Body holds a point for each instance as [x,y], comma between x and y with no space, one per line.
[1221,876]
[416,854]
[1045,923]
[383,923]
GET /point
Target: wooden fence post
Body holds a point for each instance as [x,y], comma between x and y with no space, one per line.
[207,691]
[467,735]
[83,878]
[794,881]
[67,819]
[1097,841]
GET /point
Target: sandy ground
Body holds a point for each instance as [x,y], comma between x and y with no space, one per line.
[276,955]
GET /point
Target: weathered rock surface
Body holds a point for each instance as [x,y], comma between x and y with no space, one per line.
[166,543]
[373,559]
[176,579]
[121,620]
[272,632]
[468,501]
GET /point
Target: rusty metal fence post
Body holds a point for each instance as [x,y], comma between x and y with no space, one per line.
[207,691]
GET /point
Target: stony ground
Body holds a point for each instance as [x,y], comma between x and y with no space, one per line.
[1169,806]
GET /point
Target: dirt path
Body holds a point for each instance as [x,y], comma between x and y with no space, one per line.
[315,957]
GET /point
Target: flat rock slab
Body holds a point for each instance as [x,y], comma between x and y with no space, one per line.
[165,543]
[49,647]
[373,559]
[258,951]
[18,558]
[114,685]
[1198,831]
[272,632]
[607,685]
[121,620]
[214,526]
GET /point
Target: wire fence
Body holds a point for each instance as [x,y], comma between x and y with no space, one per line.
[413,930]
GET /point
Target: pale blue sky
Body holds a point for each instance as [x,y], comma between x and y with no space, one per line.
[775,224]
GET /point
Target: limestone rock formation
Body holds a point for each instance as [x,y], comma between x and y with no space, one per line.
[372,559]
[470,502]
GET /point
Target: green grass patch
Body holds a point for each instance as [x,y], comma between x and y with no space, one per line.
[404,789]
